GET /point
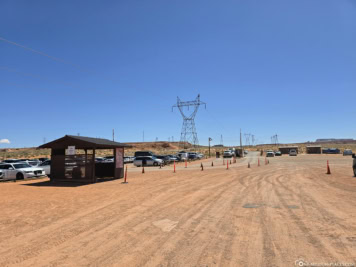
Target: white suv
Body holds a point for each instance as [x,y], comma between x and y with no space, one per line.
[228,154]
[19,171]
[293,152]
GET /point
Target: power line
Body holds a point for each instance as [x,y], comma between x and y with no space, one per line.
[78,67]
[41,77]
[33,75]
[44,54]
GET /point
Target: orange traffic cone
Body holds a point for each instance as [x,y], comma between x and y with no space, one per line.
[212,164]
[202,167]
[124,182]
[327,168]
[143,169]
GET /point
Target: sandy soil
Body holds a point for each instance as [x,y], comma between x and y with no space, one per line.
[270,215]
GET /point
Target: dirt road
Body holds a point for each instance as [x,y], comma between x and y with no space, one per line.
[270,215]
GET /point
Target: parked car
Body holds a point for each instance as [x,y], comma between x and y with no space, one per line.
[147,161]
[20,171]
[192,155]
[109,159]
[347,152]
[182,155]
[144,154]
[129,159]
[173,158]
[331,151]
[46,166]
[278,153]
[11,161]
[334,151]
[165,159]
[1,175]
[34,162]
[99,159]
[43,159]
[269,154]
[228,154]
[200,156]
[293,152]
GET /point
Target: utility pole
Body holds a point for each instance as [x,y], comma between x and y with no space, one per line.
[247,137]
[210,139]
[221,140]
[241,144]
[113,135]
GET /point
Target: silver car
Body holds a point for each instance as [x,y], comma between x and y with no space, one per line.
[19,171]
[46,166]
[147,161]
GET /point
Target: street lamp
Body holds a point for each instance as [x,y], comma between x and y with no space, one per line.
[210,139]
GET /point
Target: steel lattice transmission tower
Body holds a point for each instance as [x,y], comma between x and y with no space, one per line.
[189,132]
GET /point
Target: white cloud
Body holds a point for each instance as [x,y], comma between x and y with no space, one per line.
[4,141]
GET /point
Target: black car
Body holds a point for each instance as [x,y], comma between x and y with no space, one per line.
[278,153]
[144,154]
[43,159]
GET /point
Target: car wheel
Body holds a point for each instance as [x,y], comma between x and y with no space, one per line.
[155,164]
[19,176]
[355,172]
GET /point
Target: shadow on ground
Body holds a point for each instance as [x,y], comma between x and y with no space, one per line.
[66,184]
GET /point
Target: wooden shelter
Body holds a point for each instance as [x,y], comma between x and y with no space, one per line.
[286,149]
[313,149]
[67,165]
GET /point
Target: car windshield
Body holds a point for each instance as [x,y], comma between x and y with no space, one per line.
[21,166]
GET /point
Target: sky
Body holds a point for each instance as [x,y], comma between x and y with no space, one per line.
[265,67]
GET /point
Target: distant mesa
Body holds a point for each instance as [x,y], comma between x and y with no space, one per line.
[335,140]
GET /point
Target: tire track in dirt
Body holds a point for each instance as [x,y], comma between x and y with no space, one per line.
[106,215]
[168,206]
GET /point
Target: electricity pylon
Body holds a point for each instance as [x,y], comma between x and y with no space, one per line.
[189,132]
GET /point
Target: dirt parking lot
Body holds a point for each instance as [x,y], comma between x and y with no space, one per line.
[270,215]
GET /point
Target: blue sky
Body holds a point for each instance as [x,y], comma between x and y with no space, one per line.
[267,67]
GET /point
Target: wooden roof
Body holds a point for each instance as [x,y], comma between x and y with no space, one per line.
[82,142]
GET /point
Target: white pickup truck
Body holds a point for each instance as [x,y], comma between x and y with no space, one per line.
[228,154]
